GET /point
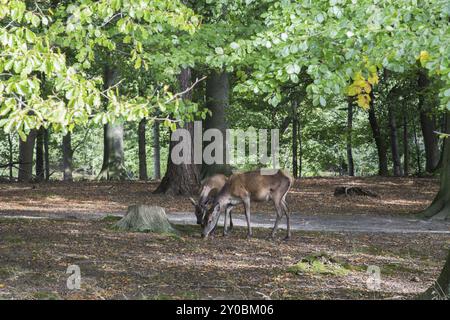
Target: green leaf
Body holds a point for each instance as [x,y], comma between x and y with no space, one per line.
[322,101]
[22,135]
[35,21]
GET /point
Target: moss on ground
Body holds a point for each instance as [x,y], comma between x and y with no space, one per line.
[46,295]
[394,268]
[14,239]
[111,218]
[320,263]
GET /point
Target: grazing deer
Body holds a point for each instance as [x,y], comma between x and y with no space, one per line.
[210,188]
[246,187]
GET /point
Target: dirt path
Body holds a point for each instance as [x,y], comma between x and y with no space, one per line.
[335,223]
[301,222]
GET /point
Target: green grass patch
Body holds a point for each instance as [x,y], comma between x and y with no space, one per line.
[394,268]
[111,219]
[13,239]
[187,230]
[46,295]
[10,271]
[320,263]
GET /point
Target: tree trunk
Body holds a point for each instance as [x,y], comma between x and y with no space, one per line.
[217,101]
[40,176]
[405,147]
[142,151]
[294,140]
[113,167]
[46,155]
[397,169]
[156,152]
[184,178]
[67,157]
[10,158]
[379,142]
[419,167]
[351,166]
[440,207]
[26,149]
[428,125]
[440,290]
[300,143]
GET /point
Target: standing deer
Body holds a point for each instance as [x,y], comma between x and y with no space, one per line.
[210,188]
[246,187]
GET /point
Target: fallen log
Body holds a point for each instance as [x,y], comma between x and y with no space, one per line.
[353,191]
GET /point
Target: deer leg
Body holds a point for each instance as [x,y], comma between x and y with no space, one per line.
[247,217]
[277,220]
[225,222]
[231,220]
[228,212]
[287,213]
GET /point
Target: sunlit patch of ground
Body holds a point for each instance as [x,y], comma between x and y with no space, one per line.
[35,255]
[397,196]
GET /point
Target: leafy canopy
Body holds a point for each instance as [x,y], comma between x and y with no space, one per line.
[49,74]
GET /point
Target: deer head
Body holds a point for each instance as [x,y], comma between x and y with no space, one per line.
[210,219]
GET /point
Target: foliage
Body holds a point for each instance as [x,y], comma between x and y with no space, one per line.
[342,42]
[41,86]
[317,52]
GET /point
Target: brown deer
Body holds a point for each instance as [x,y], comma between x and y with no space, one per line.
[246,187]
[210,188]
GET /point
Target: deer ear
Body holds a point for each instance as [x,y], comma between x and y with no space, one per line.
[193,201]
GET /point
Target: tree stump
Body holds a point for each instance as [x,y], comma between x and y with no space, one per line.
[353,191]
[144,218]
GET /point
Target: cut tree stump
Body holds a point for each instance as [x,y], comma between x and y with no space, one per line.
[144,218]
[353,191]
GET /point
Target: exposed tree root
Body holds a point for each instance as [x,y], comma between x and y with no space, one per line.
[114,171]
[440,290]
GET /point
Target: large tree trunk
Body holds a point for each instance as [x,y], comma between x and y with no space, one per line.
[379,141]
[397,169]
[156,152]
[294,140]
[40,175]
[440,207]
[351,166]
[113,167]
[67,157]
[405,147]
[440,290]
[184,178]
[142,150]
[217,101]
[26,149]
[428,125]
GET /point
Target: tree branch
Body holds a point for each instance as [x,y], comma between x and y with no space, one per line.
[185,91]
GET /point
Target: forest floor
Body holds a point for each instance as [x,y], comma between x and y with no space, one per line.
[35,253]
[396,196]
